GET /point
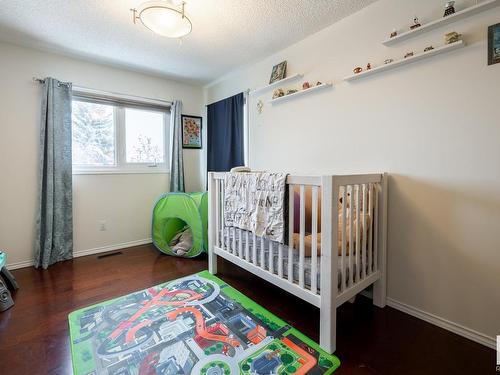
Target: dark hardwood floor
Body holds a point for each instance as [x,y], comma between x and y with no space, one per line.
[34,333]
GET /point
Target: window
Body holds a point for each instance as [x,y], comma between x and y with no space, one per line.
[93,134]
[112,137]
[144,136]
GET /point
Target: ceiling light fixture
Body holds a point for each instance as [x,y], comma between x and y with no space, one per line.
[164,18]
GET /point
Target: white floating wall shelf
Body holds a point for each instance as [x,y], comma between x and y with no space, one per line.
[408,60]
[300,93]
[276,84]
[481,7]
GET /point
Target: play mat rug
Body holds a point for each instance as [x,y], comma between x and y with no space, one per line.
[193,325]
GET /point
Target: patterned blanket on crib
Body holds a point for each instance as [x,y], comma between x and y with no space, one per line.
[255,201]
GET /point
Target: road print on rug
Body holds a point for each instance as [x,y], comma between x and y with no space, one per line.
[193,325]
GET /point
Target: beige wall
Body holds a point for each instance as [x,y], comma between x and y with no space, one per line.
[433,125]
[124,201]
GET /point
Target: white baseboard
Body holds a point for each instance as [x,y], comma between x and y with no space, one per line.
[456,328]
[82,253]
[22,264]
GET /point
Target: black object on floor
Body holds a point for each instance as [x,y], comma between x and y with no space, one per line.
[8,279]
[109,255]
[6,301]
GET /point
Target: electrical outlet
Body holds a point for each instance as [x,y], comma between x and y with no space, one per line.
[102,225]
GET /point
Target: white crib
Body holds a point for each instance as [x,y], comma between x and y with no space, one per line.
[353,255]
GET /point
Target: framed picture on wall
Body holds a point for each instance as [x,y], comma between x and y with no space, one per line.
[278,73]
[191,131]
[494,44]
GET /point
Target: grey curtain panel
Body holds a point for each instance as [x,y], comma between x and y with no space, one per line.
[176,158]
[54,224]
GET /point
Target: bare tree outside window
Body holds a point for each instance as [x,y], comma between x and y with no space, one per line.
[145,151]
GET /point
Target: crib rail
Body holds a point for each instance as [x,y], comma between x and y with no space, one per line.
[358,234]
[335,235]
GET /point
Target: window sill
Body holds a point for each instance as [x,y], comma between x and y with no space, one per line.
[121,171]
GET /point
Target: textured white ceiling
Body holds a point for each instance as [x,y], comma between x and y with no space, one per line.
[226,33]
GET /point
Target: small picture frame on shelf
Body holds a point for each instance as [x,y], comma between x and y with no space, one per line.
[191,131]
[278,73]
[494,44]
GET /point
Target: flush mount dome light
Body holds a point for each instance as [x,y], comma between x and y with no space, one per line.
[164,18]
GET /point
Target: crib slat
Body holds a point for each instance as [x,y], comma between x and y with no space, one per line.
[369,229]
[247,247]
[291,208]
[351,247]
[270,260]
[280,260]
[358,238]
[254,249]
[314,239]
[375,230]
[302,235]
[233,240]
[262,253]
[363,244]
[344,240]
[233,249]
[240,243]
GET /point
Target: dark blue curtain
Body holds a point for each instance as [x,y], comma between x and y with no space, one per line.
[225,134]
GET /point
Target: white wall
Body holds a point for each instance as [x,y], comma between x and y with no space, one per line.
[124,201]
[433,125]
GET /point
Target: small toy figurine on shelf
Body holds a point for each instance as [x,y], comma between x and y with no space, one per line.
[260,104]
[409,54]
[291,91]
[416,23]
[357,70]
[394,33]
[318,83]
[449,8]
[306,85]
[368,66]
[278,93]
[429,48]
[452,37]
[388,61]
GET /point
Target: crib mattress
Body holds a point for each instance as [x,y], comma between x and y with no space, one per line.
[275,258]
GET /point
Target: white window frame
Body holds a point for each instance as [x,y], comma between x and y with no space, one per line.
[121,165]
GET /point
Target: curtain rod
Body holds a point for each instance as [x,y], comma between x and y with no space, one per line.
[39,80]
[81,89]
[245,92]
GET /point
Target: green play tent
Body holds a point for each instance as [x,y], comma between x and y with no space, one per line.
[172,213]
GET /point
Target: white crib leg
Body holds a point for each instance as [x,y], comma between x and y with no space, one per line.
[328,328]
[212,223]
[379,294]
[329,262]
[212,262]
[380,286]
